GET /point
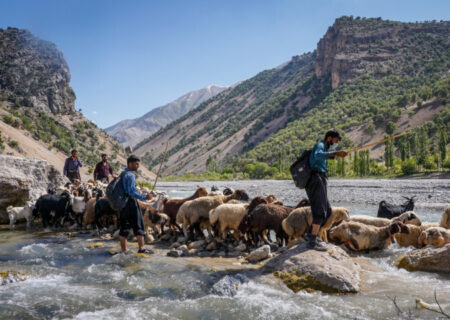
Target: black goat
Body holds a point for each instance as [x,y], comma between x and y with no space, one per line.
[52,208]
[389,211]
[103,211]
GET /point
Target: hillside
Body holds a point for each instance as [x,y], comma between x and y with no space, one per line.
[364,74]
[131,131]
[37,107]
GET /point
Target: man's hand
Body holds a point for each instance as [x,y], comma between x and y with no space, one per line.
[341,154]
[149,196]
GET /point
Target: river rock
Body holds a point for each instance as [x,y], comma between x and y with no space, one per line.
[175,253]
[211,246]
[197,244]
[174,245]
[184,248]
[9,276]
[181,239]
[241,247]
[332,271]
[23,179]
[259,254]
[428,259]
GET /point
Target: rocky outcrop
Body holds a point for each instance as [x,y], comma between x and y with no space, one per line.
[22,179]
[34,73]
[332,271]
[428,259]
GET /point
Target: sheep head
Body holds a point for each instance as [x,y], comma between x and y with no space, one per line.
[341,214]
[398,227]
[201,192]
[241,195]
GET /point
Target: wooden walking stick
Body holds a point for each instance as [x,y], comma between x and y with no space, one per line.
[160,166]
[377,142]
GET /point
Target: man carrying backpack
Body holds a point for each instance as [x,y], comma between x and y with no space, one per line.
[131,216]
[316,188]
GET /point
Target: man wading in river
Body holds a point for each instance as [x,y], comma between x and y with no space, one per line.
[316,188]
[131,216]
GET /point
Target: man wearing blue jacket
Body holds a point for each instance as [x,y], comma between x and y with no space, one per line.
[131,215]
[316,188]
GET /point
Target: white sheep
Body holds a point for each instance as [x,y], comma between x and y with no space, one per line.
[228,217]
[445,220]
[435,236]
[16,213]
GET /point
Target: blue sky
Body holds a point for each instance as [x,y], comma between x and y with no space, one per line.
[127,57]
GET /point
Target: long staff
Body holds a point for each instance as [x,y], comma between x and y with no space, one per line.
[159,170]
[377,142]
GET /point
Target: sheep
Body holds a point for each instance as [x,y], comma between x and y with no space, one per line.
[197,210]
[89,213]
[155,220]
[359,236]
[229,216]
[15,213]
[157,204]
[427,225]
[445,220]
[409,239]
[103,211]
[406,218]
[300,220]
[78,207]
[435,236]
[172,206]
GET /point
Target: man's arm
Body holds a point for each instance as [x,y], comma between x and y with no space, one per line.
[80,163]
[129,183]
[321,154]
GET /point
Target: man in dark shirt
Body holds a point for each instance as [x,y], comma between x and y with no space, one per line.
[316,188]
[103,169]
[71,167]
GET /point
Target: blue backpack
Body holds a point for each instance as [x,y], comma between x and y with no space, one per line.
[115,193]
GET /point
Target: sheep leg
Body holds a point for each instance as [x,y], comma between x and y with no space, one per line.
[264,236]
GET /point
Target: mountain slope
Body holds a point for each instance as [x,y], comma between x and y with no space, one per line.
[364,72]
[37,114]
[131,131]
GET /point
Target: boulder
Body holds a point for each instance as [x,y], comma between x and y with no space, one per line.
[197,244]
[331,271]
[175,253]
[259,254]
[23,179]
[430,259]
[241,247]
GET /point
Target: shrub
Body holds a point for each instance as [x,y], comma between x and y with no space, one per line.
[8,119]
[409,166]
[13,143]
[429,163]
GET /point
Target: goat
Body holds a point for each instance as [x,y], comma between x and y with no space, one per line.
[89,213]
[16,213]
[103,211]
[52,208]
[389,211]
[155,220]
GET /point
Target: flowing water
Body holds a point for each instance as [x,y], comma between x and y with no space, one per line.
[65,280]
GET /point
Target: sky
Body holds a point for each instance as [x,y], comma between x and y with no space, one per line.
[128,57]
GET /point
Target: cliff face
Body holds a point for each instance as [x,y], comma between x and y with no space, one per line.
[351,48]
[33,73]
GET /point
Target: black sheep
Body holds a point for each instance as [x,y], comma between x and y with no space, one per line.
[52,208]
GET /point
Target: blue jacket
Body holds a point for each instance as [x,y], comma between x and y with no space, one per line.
[319,157]
[129,185]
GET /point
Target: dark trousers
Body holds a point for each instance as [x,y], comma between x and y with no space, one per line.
[72,175]
[316,189]
[131,218]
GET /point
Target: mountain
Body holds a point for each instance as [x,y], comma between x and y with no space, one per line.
[363,74]
[37,107]
[131,131]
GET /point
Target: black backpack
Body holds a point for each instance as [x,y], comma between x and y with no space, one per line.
[115,193]
[301,170]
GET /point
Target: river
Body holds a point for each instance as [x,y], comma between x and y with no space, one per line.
[65,280]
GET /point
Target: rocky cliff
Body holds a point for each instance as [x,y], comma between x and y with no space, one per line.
[130,132]
[33,73]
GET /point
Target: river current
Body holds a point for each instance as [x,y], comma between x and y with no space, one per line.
[66,280]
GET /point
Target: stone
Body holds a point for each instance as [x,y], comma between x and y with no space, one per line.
[174,245]
[259,254]
[183,248]
[181,239]
[211,246]
[331,271]
[197,244]
[23,179]
[241,247]
[166,237]
[429,259]
[193,252]
[175,253]
[10,276]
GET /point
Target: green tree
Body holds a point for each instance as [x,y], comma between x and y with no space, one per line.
[211,164]
[390,128]
[389,154]
[443,143]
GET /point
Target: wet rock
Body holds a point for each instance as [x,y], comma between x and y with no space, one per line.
[295,242]
[197,244]
[229,285]
[183,249]
[274,247]
[211,246]
[203,254]
[24,179]
[175,253]
[166,236]
[234,253]
[332,271]
[259,254]
[9,276]
[428,259]
[193,252]
[241,247]
[181,239]
[149,238]
[174,245]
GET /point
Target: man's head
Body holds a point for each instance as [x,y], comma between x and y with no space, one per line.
[104,157]
[133,162]
[74,153]
[332,137]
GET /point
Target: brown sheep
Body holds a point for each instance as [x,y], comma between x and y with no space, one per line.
[196,211]
[445,220]
[409,239]
[436,236]
[89,213]
[406,218]
[172,206]
[358,236]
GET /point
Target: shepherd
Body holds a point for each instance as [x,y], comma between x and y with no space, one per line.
[103,169]
[316,188]
[72,167]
